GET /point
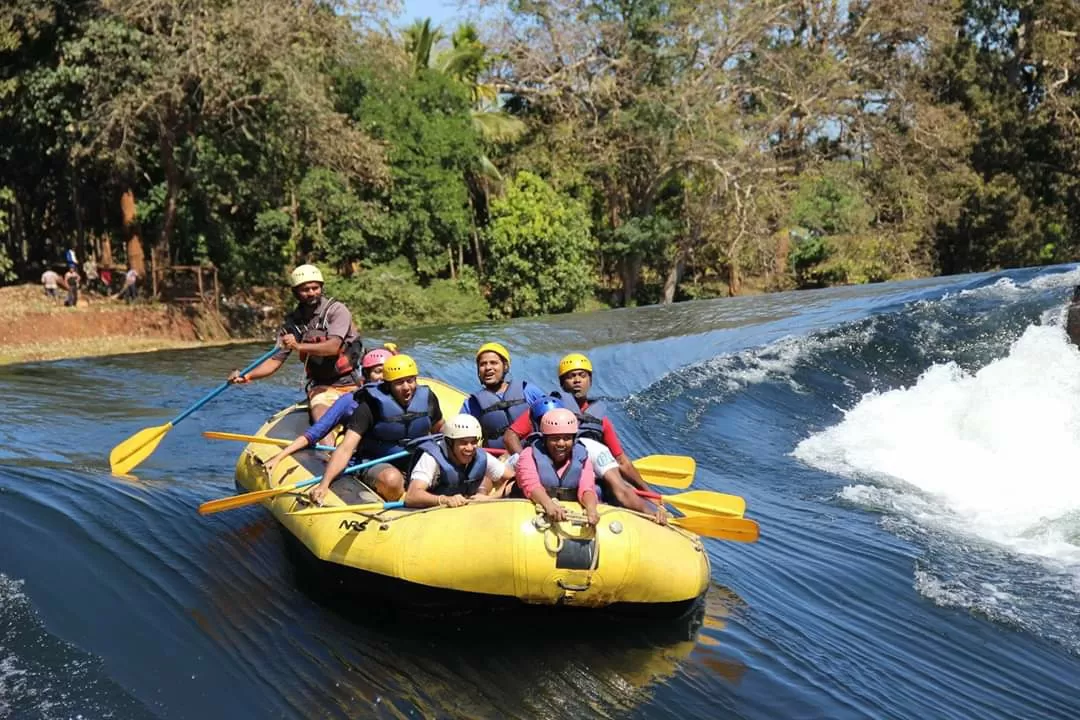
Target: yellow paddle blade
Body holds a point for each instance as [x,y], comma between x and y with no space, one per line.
[723,528]
[449,396]
[262,439]
[673,471]
[369,507]
[707,502]
[125,456]
[215,506]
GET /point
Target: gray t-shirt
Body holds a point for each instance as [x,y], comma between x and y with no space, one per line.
[330,319]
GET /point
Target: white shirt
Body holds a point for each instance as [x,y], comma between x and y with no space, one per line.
[427,470]
[600,455]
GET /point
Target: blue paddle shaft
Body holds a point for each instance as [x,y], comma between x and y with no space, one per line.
[352,468]
[223,386]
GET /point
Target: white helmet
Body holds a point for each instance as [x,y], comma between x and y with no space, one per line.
[305,274]
[462,426]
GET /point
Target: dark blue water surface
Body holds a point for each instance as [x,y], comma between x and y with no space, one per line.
[907,449]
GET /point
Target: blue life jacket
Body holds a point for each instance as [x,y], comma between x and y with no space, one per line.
[394,425]
[591,421]
[565,487]
[498,413]
[453,478]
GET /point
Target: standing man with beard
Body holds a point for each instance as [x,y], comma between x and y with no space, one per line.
[323,333]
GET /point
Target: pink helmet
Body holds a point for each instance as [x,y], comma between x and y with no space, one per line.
[375,357]
[559,421]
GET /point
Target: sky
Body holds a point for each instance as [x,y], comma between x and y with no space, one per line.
[441,12]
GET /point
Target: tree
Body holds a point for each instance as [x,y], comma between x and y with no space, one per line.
[160,73]
[424,121]
[540,250]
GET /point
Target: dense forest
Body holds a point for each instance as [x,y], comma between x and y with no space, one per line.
[558,155]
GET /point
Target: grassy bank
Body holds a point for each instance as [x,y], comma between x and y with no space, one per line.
[85,347]
[43,329]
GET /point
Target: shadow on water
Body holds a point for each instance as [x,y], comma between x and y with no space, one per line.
[537,662]
[350,655]
[522,661]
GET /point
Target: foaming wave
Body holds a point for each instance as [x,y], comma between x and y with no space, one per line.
[978,469]
[997,450]
[1050,281]
[1007,288]
[1003,288]
[776,362]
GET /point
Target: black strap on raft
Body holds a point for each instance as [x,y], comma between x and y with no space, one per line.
[564,494]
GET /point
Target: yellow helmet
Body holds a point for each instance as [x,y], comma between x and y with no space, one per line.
[574,361]
[495,348]
[399,366]
[305,274]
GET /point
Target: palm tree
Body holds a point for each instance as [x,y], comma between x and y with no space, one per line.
[465,61]
[420,39]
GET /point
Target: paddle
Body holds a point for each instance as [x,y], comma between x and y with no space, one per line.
[697,502]
[214,506]
[370,507]
[125,456]
[280,442]
[723,528]
[673,471]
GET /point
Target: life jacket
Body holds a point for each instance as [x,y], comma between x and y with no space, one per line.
[394,425]
[453,478]
[327,370]
[591,421]
[565,487]
[498,413]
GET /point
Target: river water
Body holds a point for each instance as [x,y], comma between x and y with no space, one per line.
[909,449]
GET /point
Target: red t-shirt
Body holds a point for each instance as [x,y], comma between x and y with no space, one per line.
[523,426]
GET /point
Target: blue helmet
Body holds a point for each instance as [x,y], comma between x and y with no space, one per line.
[541,406]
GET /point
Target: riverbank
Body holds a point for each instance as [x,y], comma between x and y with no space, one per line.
[43,329]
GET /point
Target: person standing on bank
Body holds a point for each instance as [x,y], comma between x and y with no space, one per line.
[130,291]
[71,279]
[51,280]
[322,332]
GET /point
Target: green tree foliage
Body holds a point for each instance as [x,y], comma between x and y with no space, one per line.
[711,145]
[540,250]
[391,296]
[424,120]
[1015,70]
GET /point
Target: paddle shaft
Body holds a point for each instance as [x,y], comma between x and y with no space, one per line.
[351,469]
[235,501]
[369,507]
[224,386]
[260,439]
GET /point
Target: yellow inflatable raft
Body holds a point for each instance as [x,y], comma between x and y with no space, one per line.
[482,554]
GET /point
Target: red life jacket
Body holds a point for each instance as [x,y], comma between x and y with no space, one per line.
[327,370]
